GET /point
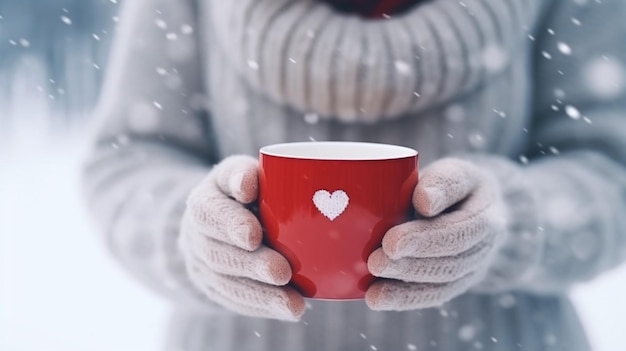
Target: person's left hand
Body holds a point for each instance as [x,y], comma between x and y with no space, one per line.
[431,260]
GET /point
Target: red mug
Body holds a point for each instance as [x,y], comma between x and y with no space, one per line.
[325,206]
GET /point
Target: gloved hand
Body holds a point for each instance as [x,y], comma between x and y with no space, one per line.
[457,245]
[221,244]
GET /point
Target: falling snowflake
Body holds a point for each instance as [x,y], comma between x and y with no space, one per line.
[411,347]
[95,36]
[454,113]
[24,42]
[186,29]
[159,22]
[572,112]
[467,332]
[66,20]
[258,335]
[402,67]
[507,300]
[476,140]
[499,112]
[171,36]
[253,65]
[605,78]
[161,71]
[564,48]
[559,93]
[523,159]
[311,118]
[157,105]
[546,55]
[494,58]
[363,336]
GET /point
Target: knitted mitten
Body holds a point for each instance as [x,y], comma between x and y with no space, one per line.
[469,218]
[221,244]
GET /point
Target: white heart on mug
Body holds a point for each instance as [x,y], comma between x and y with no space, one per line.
[331,205]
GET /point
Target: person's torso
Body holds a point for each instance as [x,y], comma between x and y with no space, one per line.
[448,77]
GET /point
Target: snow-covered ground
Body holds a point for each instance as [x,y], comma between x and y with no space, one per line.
[59,291]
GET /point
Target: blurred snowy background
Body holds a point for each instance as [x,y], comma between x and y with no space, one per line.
[59,290]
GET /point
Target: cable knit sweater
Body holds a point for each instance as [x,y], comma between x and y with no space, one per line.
[538,81]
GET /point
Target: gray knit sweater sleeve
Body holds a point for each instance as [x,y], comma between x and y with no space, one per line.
[578,144]
[151,144]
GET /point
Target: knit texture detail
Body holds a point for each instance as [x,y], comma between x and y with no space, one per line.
[306,55]
[159,135]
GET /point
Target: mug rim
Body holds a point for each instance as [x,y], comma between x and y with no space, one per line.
[385,151]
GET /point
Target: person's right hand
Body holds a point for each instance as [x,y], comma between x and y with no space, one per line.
[221,244]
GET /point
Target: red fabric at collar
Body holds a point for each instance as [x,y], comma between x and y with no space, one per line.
[373,8]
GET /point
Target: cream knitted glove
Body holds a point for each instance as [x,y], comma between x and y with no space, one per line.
[221,245]
[467,219]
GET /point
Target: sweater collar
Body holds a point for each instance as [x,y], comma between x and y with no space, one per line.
[306,55]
